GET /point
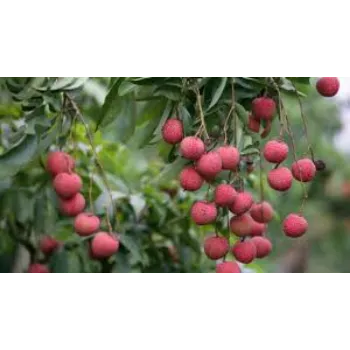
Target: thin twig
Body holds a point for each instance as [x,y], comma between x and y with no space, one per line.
[232,110]
[201,114]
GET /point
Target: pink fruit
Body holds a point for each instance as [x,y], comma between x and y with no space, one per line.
[190,180]
[242,203]
[244,252]
[172,131]
[304,170]
[192,147]
[59,162]
[328,87]
[67,185]
[86,224]
[275,151]
[241,225]
[263,246]
[263,108]
[203,213]
[48,245]
[262,212]
[104,245]
[258,229]
[230,157]
[228,267]
[224,195]
[72,206]
[216,247]
[295,225]
[253,124]
[280,179]
[210,164]
[37,268]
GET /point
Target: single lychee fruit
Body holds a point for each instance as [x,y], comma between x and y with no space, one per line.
[244,252]
[210,164]
[67,185]
[275,151]
[258,229]
[190,180]
[262,212]
[263,246]
[37,268]
[48,245]
[72,206]
[192,147]
[280,179]
[86,224]
[241,225]
[203,212]
[216,247]
[230,157]
[104,245]
[59,162]
[242,203]
[328,87]
[295,225]
[224,195]
[253,124]
[172,131]
[228,267]
[304,170]
[263,108]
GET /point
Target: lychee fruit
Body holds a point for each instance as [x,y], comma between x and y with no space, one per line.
[263,108]
[190,180]
[230,157]
[242,203]
[244,252]
[192,147]
[280,179]
[203,212]
[72,206]
[258,229]
[48,245]
[86,224]
[253,124]
[104,245]
[228,267]
[224,195]
[67,185]
[38,268]
[210,164]
[216,247]
[59,162]
[172,131]
[275,151]
[263,246]
[328,87]
[304,170]
[262,212]
[295,225]
[241,225]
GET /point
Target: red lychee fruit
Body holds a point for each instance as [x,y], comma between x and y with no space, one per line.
[230,157]
[190,180]
[216,247]
[228,267]
[242,203]
[275,151]
[72,206]
[59,162]
[263,108]
[328,87]
[263,246]
[304,170]
[280,179]
[262,212]
[67,185]
[253,124]
[37,268]
[172,131]
[86,224]
[203,212]
[192,147]
[244,252]
[104,245]
[258,229]
[241,225]
[210,164]
[295,225]
[224,195]
[48,245]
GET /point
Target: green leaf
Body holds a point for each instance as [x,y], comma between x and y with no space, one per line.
[130,244]
[218,89]
[171,171]
[62,83]
[126,87]
[171,92]
[125,122]
[59,262]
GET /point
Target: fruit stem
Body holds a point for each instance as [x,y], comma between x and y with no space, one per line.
[232,110]
[201,114]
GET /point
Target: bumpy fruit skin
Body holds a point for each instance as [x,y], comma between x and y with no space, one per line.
[67,185]
[328,87]
[86,224]
[210,164]
[304,170]
[263,108]
[38,268]
[103,245]
[48,245]
[228,267]
[224,195]
[242,203]
[192,147]
[253,124]
[230,157]
[244,252]
[275,151]
[258,229]
[203,213]
[172,131]
[280,179]
[263,246]
[295,225]
[216,247]
[241,225]
[72,206]
[190,180]
[262,212]
[59,162]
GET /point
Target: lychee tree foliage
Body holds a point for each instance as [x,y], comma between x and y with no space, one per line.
[114,131]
